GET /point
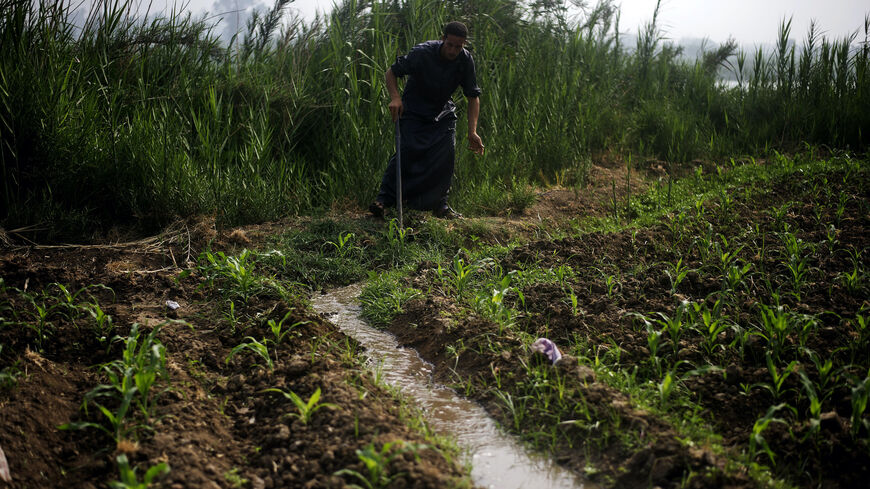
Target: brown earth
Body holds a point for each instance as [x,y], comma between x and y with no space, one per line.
[214,425]
[607,323]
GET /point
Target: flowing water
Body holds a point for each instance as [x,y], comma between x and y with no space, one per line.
[497,460]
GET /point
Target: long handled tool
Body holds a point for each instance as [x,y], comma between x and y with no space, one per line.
[399,174]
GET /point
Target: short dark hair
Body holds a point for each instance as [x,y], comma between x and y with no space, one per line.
[457,29]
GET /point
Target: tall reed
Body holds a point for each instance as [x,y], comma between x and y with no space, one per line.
[123,117]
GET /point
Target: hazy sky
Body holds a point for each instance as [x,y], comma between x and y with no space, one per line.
[749,21]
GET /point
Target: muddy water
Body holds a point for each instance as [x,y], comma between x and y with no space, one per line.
[497,460]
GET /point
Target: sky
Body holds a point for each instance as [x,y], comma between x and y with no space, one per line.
[749,21]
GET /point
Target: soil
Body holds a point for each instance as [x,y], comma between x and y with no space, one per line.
[607,322]
[217,426]
[214,423]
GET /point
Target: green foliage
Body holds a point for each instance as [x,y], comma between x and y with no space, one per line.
[260,348]
[155,118]
[377,463]
[384,296]
[129,479]
[131,380]
[306,409]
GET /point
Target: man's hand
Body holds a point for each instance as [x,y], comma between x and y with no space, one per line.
[475,144]
[396,108]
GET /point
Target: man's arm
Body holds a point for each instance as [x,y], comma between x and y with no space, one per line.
[475,144]
[396,107]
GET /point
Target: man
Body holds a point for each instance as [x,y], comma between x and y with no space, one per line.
[427,120]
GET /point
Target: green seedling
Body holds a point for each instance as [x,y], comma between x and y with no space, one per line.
[726,256]
[396,236]
[377,462]
[9,374]
[775,326]
[278,329]
[490,302]
[734,276]
[103,326]
[460,275]
[756,439]
[516,408]
[344,244]
[778,378]
[255,346]
[676,274]
[237,272]
[131,380]
[674,325]
[860,397]
[232,476]
[710,324]
[306,409]
[815,402]
[654,342]
[824,368]
[611,282]
[129,480]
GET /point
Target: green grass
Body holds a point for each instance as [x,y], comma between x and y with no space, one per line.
[126,119]
[755,294]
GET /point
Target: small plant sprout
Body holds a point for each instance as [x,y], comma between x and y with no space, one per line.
[129,480]
[344,243]
[676,274]
[460,275]
[306,409]
[778,378]
[756,439]
[376,463]
[278,329]
[860,397]
[258,347]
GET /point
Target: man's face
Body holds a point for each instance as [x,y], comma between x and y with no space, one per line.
[452,46]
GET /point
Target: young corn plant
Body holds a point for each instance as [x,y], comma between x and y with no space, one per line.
[860,397]
[815,407]
[260,348]
[376,463]
[236,273]
[131,380]
[710,323]
[756,439]
[674,325]
[725,254]
[129,479]
[459,276]
[279,331]
[775,326]
[305,409]
[734,276]
[344,244]
[103,327]
[676,274]
[776,386]
[490,302]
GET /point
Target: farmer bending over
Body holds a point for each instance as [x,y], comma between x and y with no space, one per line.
[427,116]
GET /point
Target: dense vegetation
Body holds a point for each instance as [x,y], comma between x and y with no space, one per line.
[125,118]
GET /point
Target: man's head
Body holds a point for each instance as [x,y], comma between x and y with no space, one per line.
[455,34]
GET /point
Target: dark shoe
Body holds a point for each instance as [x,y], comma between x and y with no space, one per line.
[377,209]
[446,213]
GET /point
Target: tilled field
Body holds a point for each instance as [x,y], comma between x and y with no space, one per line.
[729,336]
[723,346]
[179,390]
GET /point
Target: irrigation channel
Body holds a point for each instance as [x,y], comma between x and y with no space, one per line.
[498,461]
